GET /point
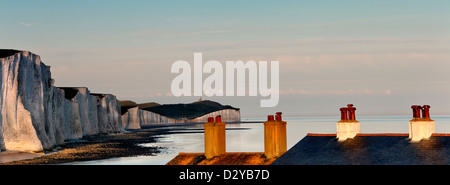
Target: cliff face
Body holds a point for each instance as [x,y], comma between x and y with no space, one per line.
[35,115]
[24,81]
[188,111]
[136,118]
[228,115]
[108,111]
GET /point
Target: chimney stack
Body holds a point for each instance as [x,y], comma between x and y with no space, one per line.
[347,127]
[275,141]
[214,137]
[421,127]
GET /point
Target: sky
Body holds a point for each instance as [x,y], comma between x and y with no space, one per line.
[382,56]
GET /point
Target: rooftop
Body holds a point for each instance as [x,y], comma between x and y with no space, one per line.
[233,158]
[367,149]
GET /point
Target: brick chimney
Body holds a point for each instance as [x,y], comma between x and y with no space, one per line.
[347,127]
[214,137]
[275,141]
[421,127]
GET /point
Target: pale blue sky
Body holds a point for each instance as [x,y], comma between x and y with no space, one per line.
[383,56]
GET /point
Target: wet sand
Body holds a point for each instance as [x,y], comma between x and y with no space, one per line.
[102,146]
[9,156]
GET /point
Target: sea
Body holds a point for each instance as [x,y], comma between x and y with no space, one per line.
[248,136]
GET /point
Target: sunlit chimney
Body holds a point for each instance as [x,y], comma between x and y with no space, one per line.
[275,141]
[421,127]
[214,137]
[347,127]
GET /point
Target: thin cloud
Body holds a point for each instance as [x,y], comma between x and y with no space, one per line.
[146,33]
[334,92]
[27,24]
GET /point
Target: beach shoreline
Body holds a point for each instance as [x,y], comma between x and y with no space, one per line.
[97,147]
[101,146]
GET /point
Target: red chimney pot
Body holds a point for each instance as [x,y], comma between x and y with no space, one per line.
[278,116]
[210,120]
[343,113]
[219,118]
[426,111]
[351,112]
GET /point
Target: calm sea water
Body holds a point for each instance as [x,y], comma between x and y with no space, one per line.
[249,137]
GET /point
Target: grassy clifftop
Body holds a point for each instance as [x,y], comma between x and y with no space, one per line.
[190,111]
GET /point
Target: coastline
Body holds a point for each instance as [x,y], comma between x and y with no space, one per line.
[11,156]
[102,146]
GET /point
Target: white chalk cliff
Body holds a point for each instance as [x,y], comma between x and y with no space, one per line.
[36,116]
[136,118]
